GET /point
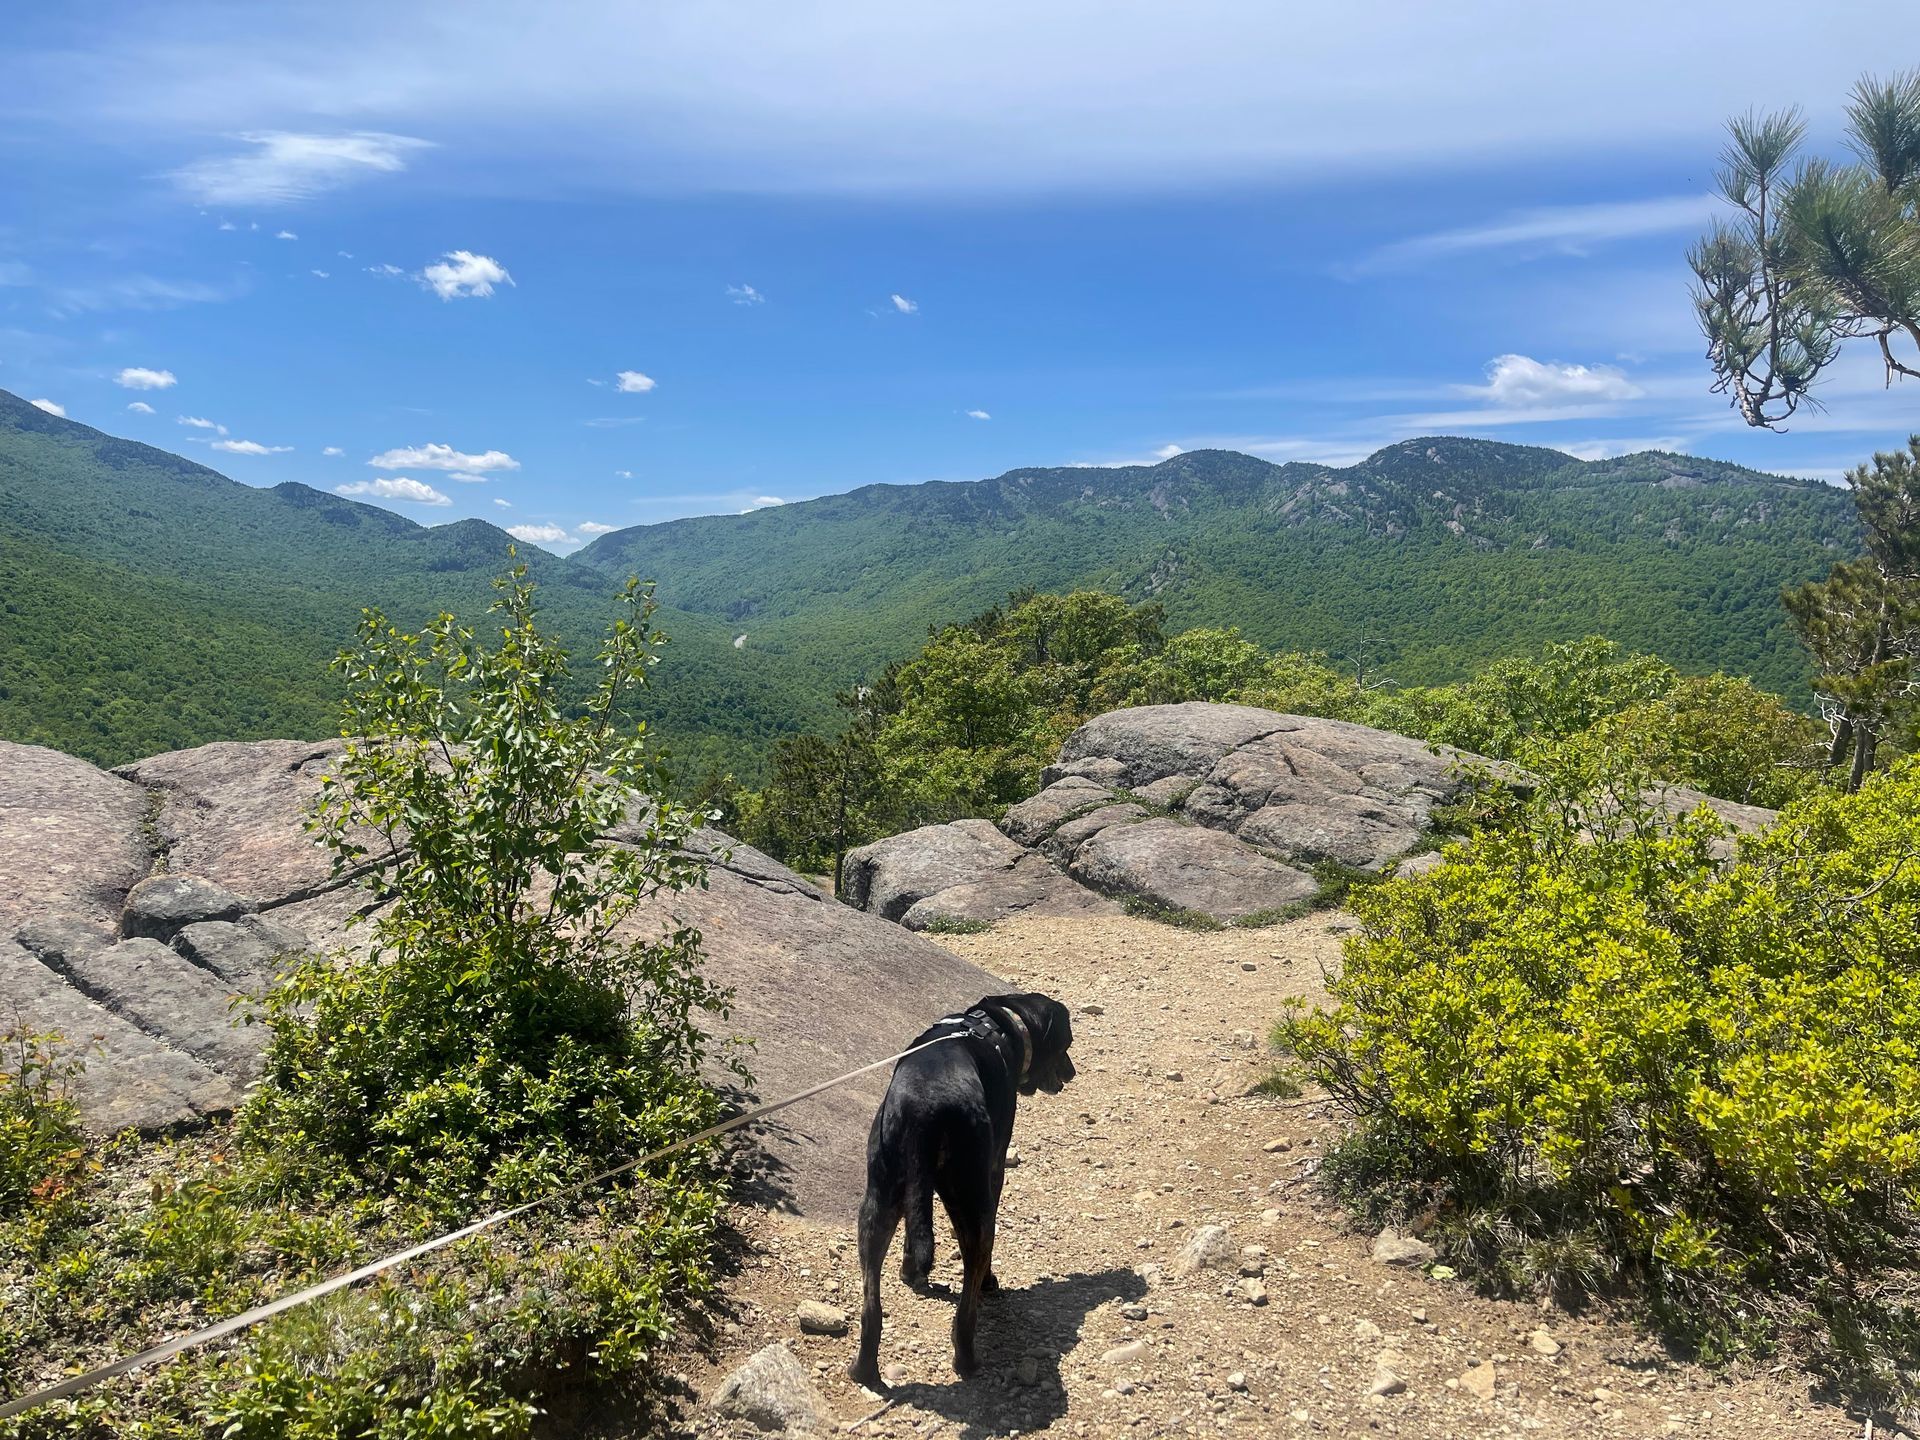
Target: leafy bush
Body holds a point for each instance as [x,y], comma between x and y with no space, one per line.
[1583,1051]
[41,1145]
[503,1035]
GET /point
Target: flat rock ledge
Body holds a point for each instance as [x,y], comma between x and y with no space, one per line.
[1224,811]
[143,911]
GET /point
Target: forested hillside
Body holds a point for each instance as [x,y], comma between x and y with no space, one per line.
[148,602]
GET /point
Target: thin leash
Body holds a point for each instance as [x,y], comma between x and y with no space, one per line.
[80,1384]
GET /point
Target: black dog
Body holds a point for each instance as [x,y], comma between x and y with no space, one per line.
[943,1130]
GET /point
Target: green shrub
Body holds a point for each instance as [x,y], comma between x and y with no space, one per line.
[504,1034]
[41,1145]
[1586,1052]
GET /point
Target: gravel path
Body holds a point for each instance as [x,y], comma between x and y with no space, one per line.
[1098,1333]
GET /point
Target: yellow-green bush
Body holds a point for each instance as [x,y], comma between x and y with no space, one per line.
[1583,1050]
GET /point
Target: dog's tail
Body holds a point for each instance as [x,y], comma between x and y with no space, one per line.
[916,1194]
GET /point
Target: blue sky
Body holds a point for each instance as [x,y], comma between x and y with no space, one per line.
[409,251]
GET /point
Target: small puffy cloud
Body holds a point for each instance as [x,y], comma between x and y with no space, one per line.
[443,457]
[286,235]
[503,504]
[283,167]
[332,450]
[594,527]
[228,225]
[250,447]
[138,377]
[903,305]
[539,534]
[461,274]
[322,274]
[1167,452]
[1519,382]
[140,407]
[978,415]
[762,502]
[415,492]
[632,382]
[389,271]
[745,295]
[623,474]
[344,254]
[198,422]
[52,407]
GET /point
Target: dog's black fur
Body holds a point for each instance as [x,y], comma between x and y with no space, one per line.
[943,1130]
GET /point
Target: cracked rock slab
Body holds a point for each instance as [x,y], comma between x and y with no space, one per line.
[170,998]
[131,1081]
[889,876]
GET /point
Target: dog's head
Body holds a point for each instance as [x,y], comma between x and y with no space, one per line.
[1050,1031]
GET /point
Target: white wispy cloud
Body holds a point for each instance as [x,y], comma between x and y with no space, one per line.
[322,274]
[137,377]
[1562,229]
[52,407]
[389,271]
[503,504]
[540,534]
[286,235]
[594,527]
[903,305]
[1517,382]
[200,422]
[443,457]
[400,487]
[139,292]
[250,447]
[140,407]
[283,166]
[461,274]
[762,502]
[745,295]
[623,474]
[332,450]
[632,382]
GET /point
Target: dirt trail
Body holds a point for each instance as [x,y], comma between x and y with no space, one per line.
[1156,1138]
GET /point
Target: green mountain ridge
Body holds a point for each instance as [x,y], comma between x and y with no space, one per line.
[148,602]
[1452,550]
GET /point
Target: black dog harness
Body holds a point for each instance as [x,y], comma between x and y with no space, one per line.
[995,1024]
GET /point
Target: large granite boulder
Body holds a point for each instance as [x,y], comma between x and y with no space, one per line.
[965,871]
[1220,809]
[228,887]
[1188,867]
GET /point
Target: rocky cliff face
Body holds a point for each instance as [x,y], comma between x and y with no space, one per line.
[140,909]
[1222,810]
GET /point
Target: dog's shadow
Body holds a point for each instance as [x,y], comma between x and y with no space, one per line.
[1043,1321]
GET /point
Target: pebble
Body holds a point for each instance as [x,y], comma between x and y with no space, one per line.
[1237,1380]
[1093,1009]
[1208,1248]
[1390,1247]
[1365,1330]
[1478,1381]
[1255,1292]
[1026,1371]
[1385,1382]
[1134,1312]
[1013,1156]
[1542,1343]
[819,1318]
[1125,1354]
[1278,1144]
[1175,1076]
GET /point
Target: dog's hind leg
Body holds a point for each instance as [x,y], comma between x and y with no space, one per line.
[878,1220]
